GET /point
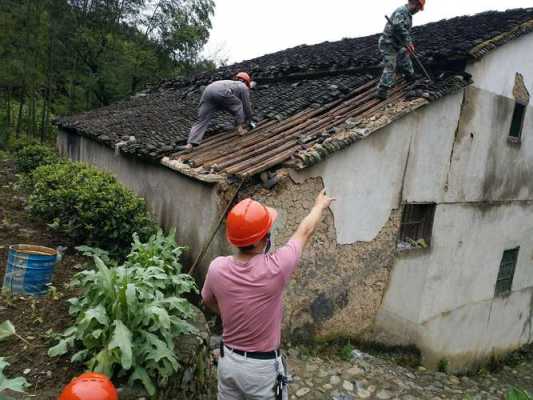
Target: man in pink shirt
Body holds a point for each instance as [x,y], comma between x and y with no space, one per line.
[247,291]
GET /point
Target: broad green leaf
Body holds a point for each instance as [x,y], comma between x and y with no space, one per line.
[80,356]
[140,374]
[131,299]
[102,363]
[106,276]
[98,313]
[518,394]
[6,329]
[59,349]
[15,384]
[122,340]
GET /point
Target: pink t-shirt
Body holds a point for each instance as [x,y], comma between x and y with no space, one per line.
[250,296]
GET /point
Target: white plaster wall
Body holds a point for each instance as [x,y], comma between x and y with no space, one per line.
[443,297]
[479,330]
[496,71]
[467,247]
[176,201]
[485,165]
[429,158]
[367,178]
[448,290]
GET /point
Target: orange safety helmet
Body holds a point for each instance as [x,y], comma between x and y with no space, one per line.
[244,77]
[89,386]
[249,222]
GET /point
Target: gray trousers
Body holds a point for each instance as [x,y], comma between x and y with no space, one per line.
[212,101]
[241,378]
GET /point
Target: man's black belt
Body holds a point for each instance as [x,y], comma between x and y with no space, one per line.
[258,355]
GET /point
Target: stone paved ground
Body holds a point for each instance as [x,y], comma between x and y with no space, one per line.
[371,377]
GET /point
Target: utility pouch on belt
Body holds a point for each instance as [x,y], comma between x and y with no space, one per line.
[281,382]
[281,379]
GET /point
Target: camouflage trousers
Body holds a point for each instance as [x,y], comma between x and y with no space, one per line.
[394,61]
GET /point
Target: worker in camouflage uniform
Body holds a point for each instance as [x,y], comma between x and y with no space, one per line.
[397,45]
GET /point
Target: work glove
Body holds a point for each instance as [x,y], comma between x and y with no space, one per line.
[410,49]
[252,124]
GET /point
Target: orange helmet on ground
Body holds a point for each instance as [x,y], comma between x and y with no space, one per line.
[249,222]
[244,77]
[90,386]
[422,4]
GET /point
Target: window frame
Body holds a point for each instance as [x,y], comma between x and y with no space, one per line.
[521,107]
[419,217]
[504,275]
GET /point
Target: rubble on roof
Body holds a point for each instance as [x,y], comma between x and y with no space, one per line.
[305,101]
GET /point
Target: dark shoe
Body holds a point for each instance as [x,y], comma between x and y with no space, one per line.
[410,78]
[382,93]
[185,148]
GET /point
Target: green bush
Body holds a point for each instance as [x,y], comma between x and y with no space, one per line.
[32,156]
[129,317]
[88,206]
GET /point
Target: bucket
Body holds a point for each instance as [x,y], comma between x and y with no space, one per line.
[29,269]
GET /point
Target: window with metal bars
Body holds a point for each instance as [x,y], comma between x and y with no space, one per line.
[517,123]
[417,225]
[504,283]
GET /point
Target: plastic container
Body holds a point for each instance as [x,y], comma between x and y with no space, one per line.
[29,269]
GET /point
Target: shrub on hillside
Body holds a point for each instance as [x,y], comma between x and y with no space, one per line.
[89,206]
[32,156]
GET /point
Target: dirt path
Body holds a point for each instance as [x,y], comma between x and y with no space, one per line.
[33,318]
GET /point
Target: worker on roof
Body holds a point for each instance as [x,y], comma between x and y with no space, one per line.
[396,44]
[232,96]
[246,289]
[89,386]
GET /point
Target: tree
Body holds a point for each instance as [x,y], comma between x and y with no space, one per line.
[65,56]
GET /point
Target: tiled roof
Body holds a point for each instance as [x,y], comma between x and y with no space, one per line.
[306,98]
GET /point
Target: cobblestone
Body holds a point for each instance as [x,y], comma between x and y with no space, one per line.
[371,377]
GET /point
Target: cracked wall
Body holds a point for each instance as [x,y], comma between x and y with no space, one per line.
[338,288]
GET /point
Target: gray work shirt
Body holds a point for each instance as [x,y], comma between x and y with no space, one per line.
[221,89]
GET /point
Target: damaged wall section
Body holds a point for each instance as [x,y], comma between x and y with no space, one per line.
[346,270]
[337,289]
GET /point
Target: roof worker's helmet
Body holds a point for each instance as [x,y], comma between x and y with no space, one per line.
[89,386]
[244,77]
[249,222]
[421,4]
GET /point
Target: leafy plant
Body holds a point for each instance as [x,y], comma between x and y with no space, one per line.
[128,317]
[518,394]
[14,384]
[345,353]
[89,206]
[32,156]
[443,365]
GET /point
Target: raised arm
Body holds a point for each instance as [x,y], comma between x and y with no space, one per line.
[308,225]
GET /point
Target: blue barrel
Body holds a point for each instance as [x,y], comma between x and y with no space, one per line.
[29,269]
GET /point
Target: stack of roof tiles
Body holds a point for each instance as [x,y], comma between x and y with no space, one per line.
[295,83]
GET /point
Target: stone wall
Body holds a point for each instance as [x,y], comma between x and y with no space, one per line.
[337,289]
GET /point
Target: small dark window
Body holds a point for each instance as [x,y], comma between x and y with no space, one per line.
[504,283]
[518,121]
[416,225]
